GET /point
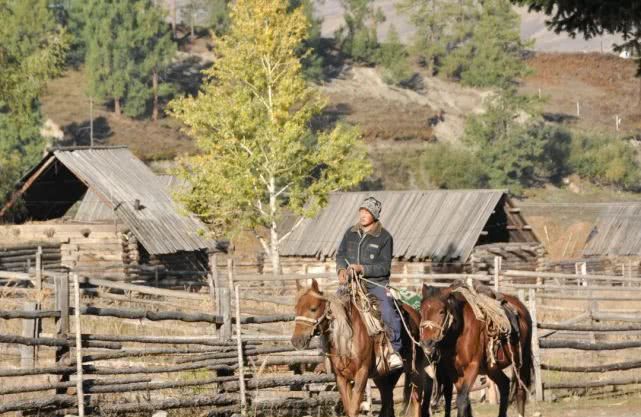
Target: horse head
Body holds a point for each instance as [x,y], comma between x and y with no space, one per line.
[310,313]
[437,315]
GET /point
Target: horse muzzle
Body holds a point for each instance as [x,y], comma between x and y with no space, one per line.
[429,347]
[301,342]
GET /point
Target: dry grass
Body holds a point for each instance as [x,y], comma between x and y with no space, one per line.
[604,84]
[68,106]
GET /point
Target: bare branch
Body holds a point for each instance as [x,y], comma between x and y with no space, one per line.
[282,190]
[298,223]
[263,243]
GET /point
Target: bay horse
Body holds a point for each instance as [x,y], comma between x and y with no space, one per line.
[352,353]
[453,337]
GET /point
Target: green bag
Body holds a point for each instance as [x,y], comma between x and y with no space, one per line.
[410,298]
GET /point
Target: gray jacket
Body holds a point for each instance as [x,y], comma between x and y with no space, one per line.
[372,249]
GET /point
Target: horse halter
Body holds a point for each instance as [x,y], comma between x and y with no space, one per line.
[447,321]
[313,323]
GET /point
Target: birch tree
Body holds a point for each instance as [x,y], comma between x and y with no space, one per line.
[260,157]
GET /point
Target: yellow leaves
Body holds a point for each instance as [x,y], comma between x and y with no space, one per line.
[252,122]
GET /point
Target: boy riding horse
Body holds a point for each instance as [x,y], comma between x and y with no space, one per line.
[366,250]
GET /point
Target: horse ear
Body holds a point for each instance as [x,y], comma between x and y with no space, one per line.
[426,290]
[315,285]
[446,292]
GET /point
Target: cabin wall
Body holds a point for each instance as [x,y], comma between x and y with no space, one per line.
[100,250]
[85,246]
[514,256]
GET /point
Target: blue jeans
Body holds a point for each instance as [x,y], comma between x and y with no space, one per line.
[391,318]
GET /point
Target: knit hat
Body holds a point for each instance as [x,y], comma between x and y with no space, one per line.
[373,206]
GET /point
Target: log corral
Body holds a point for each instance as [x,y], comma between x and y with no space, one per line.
[163,356]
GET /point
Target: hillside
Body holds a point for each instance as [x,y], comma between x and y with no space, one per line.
[603,84]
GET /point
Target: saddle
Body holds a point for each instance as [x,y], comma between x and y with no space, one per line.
[500,318]
[367,305]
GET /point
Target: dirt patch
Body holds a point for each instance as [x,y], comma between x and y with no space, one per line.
[67,105]
[387,112]
[604,85]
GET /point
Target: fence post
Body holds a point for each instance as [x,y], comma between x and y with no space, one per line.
[497,271]
[239,345]
[61,283]
[536,351]
[29,329]
[79,381]
[212,281]
[225,300]
[38,322]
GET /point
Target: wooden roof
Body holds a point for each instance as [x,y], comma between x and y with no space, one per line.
[617,232]
[123,185]
[438,224]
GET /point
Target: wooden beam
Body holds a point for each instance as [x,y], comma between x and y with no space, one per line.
[26,185]
[519,227]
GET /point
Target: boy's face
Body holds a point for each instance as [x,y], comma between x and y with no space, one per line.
[365,218]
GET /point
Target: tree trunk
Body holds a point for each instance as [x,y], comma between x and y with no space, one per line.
[172,12]
[274,246]
[117,106]
[154,80]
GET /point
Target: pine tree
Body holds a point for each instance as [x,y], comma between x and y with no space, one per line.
[157,50]
[312,58]
[358,37]
[127,46]
[441,26]
[259,155]
[32,51]
[493,57]
[393,57]
[506,139]
[219,16]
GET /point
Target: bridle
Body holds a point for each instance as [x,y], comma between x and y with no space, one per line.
[443,328]
[313,323]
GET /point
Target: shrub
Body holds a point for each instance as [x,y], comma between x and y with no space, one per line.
[447,166]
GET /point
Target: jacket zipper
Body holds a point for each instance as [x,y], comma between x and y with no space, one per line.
[358,252]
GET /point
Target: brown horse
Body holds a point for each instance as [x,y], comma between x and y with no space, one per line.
[452,336]
[352,353]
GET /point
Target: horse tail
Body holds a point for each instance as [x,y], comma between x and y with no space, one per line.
[525,372]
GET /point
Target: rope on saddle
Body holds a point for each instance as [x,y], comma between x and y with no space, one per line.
[371,317]
[490,312]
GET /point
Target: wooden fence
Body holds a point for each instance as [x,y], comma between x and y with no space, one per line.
[591,327]
[226,362]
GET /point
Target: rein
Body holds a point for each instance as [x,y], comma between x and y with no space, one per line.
[443,328]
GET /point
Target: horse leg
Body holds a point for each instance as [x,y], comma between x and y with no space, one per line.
[387,396]
[464,385]
[420,391]
[503,383]
[448,387]
[357,390]
[427,394]
[345,391]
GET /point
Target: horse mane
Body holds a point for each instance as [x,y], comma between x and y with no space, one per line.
[340,331]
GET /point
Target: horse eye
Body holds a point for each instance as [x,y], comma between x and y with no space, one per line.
[313,309]
[442,312]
